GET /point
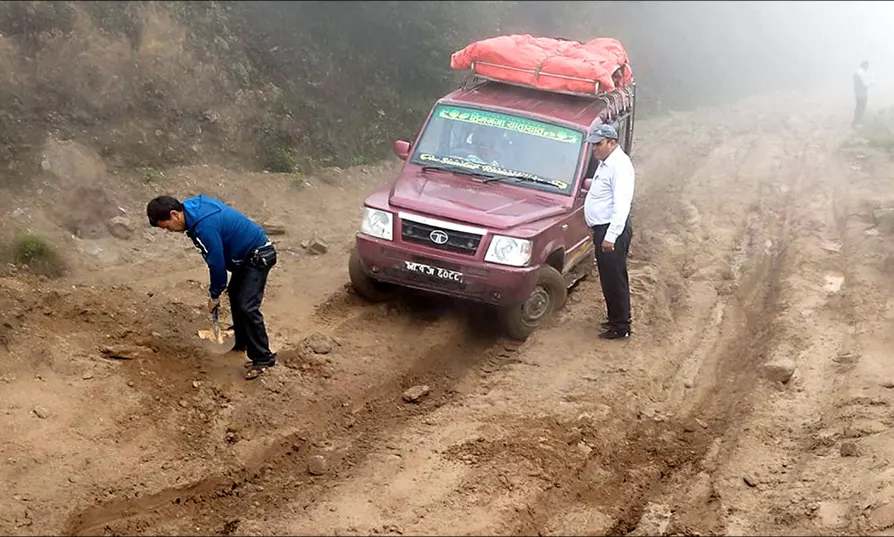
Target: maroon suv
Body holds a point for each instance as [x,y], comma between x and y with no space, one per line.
[489,204]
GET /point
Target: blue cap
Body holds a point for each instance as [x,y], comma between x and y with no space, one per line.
[602,131]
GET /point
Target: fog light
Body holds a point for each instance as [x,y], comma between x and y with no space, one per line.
[374,269]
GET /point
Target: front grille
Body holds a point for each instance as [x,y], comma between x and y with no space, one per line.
[437,263]
[459,242]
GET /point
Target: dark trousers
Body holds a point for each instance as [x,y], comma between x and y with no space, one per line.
[860,109]
[613,276]
[246,292]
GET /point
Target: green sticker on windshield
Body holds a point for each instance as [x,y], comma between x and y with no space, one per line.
[488,168]
[511,123]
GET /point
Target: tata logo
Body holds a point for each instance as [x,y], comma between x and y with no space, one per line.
[438,237]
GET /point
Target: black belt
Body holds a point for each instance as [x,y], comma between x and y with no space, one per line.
[261,257]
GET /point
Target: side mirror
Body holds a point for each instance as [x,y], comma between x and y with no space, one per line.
[586,186]
[402,149]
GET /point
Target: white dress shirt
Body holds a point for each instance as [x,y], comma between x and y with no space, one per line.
[610,195]
[865,79]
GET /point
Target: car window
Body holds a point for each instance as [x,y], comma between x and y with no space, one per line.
[532,154]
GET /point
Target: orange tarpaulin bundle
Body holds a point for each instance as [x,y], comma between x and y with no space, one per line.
[547,63]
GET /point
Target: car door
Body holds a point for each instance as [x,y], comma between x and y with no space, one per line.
[578,240]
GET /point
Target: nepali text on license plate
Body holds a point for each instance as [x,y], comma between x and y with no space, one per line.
[444,274]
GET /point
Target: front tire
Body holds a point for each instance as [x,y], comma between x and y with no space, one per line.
[367,287]
[548,296]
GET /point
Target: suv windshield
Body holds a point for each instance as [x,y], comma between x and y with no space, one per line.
[500,147]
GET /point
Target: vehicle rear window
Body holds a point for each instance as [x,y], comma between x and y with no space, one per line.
[522,151]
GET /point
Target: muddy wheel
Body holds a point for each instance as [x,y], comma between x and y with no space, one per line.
[548,297]
[365,286]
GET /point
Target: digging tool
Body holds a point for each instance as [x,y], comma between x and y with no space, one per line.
[218,341]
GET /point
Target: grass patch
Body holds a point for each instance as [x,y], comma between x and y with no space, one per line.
[35,253]
[149,174]
[299,181]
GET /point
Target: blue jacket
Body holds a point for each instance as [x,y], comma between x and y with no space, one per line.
[223,235]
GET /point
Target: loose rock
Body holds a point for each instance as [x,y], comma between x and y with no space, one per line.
[121,352]
[750,480]
[654,521]
[416,393]
[41,412]
[87,376]
[120,227]
[319,343]
[780,370]
[317,247]
[317,465]
[271,228]
[883,516]
[831,514]
[183,403]
[849,449]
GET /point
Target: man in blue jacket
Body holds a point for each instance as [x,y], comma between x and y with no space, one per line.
[228,241]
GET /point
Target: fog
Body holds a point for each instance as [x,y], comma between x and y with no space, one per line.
[683,53]
[694,52]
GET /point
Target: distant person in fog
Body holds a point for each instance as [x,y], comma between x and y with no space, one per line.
[862,81]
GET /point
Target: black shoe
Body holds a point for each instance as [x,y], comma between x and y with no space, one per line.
[611,333]
[605,325]
[263,363]
[254,370]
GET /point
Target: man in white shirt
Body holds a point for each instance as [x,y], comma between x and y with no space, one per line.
[607,212]
[862,81]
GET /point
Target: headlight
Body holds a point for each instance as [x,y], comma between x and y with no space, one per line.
[509,251]
[378,224]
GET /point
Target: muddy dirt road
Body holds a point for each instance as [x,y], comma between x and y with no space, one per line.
[753,398]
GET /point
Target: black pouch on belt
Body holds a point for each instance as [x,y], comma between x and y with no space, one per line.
[263,257]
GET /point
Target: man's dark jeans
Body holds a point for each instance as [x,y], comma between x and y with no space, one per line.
[613,276]
[246,291]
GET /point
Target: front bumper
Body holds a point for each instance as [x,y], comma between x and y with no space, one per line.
[392,262]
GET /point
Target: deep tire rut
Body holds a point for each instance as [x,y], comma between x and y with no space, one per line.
[656,455]
[347,432]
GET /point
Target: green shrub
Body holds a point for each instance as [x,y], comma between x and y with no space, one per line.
[40,256]
[278,159]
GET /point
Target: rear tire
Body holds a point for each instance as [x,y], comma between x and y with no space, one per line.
[548,296]
[366,286]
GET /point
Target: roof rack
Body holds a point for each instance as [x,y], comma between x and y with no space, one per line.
[535,73]
[617,100]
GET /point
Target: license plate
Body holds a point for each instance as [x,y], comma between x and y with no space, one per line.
[428,270]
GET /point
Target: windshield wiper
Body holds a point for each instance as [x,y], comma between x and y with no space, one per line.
[462,171]
[520,178]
